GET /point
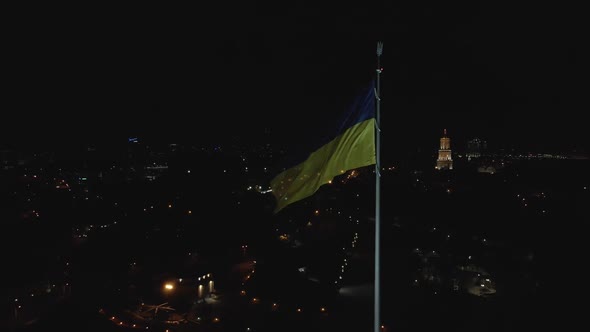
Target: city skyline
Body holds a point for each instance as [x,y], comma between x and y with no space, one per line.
[164,172]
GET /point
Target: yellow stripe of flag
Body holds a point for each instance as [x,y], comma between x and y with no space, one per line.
[353,148]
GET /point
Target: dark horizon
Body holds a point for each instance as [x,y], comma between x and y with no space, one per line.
[506,74]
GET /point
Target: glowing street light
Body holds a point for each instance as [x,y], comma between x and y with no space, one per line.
[168,286]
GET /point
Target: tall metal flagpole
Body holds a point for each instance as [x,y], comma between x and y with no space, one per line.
[377,322]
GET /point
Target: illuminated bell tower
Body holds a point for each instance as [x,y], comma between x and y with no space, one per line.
[444,160]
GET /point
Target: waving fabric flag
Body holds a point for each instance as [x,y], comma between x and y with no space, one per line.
[351,146]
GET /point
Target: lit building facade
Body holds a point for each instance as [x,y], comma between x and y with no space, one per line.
[475,148]
[444,161]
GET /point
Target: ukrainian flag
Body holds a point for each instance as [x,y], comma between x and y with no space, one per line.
[351,146]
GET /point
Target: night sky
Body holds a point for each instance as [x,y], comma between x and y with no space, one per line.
[511,74]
